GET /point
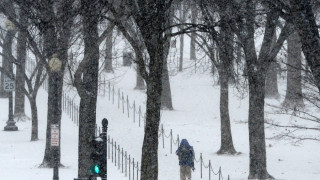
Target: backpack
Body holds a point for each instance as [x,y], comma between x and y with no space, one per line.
[186,156]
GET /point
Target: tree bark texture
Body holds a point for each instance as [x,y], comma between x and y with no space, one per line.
[154,41]
[89,87]
[140,85]
[108,59]
[272,81]
[19,111]
[271,90]
[294,98]
[34,116]
[194,16]
[183,18]
[225,46]
[256,69]
[166,98]
[305,22]
[59,46]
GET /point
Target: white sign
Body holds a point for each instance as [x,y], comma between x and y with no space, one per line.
[9,84]
[54,135]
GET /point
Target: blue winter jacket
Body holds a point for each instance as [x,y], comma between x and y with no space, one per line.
[188,161]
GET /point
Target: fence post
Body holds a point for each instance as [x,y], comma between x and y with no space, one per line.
[137,170]
[72,110]
[201,165]
[108,146]
[115,153]
[220,173]
[122,160]
[139,114]
[178,140]
[171,141]
[112,150]
[95,130]
[210,170]
[129,167]
[128,106]
[134,111]
[104,86]
[132,168]
[126,169]
[118,156]
[162,131]
[113,95]
[109,87]
[118,98]
[122,99]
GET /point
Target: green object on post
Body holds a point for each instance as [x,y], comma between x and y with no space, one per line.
[95,169]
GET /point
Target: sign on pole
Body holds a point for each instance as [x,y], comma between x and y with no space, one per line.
[54,135]
[9,84]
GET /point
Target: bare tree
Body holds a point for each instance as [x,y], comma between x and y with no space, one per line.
[244,26]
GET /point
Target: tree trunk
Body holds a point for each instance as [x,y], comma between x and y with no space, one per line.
[34,116]
[272,77]
[225,46]
[293,98]
[272,81]
[149,161]
[166,99]
[140,81]
[258,159]
[6,62]
[108,59]
[194,16]
[226,135]
[19,111]
[59,46]
[88,102]
[182,17]
[305,22]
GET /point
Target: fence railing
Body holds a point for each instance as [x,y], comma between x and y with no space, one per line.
[124,104]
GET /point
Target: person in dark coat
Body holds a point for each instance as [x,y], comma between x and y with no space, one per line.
[185,153]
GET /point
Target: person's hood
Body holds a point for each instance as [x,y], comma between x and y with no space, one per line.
[185,143]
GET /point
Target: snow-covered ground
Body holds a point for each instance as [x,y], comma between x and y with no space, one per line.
[195,117]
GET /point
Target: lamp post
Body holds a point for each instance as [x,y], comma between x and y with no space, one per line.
[9,84]
[55,67]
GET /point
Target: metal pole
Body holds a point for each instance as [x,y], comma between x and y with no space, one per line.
[11,123]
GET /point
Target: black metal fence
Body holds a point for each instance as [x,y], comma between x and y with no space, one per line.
[119,157]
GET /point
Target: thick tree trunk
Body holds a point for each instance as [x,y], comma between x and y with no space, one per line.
[293,98]
[34,120]
[258,159]
[140,81]
[272,81]
[19,111]
[166,99]
[59,46]
[226,135]
[87,116]
[53,116]
[271,90]
[225,69]
[108,59]
[149,161]
[304,20]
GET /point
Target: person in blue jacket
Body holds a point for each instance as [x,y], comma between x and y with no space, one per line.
[185,153]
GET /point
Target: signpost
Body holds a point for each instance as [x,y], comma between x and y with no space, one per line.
[54,142]
[9,85]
